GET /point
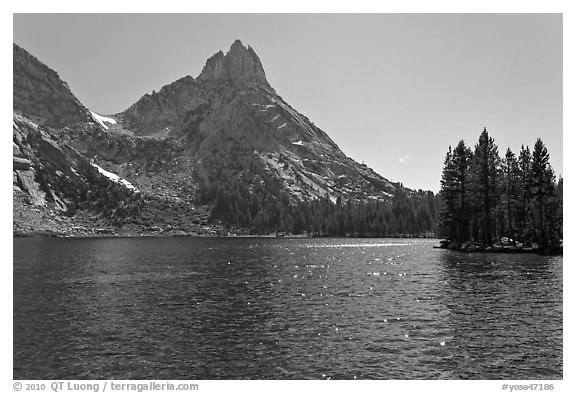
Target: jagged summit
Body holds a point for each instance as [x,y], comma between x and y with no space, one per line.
[241,64]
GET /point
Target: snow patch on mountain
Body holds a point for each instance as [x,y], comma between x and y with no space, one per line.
[114,177]
[103,119]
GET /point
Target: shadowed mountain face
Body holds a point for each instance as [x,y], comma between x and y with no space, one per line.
[50,175]
[226,132]
[42,95]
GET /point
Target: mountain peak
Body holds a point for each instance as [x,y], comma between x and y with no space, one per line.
[241,64]
[39,92]
[237,43]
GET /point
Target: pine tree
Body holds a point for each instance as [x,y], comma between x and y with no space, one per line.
[448,194]
[524,213]
[560,212]
[510,191]
[485,171]
[543,187]
[455,192]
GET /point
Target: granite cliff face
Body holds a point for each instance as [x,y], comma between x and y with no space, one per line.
[164,163]
[239,127]
[56,189]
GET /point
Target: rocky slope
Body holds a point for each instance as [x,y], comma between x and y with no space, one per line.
[58,190]
[166,161]
[63,168]
[50,181]
[239,127]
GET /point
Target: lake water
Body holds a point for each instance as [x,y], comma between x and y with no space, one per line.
[204,308]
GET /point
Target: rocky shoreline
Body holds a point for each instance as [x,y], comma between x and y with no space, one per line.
[471,247]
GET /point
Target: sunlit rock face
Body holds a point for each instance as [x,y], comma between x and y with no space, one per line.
[238,127]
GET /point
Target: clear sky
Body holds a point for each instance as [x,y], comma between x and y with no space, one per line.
[392,90]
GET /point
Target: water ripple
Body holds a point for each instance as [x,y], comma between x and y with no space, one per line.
[185,308]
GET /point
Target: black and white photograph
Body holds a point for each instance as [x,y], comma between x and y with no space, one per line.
[287,197]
